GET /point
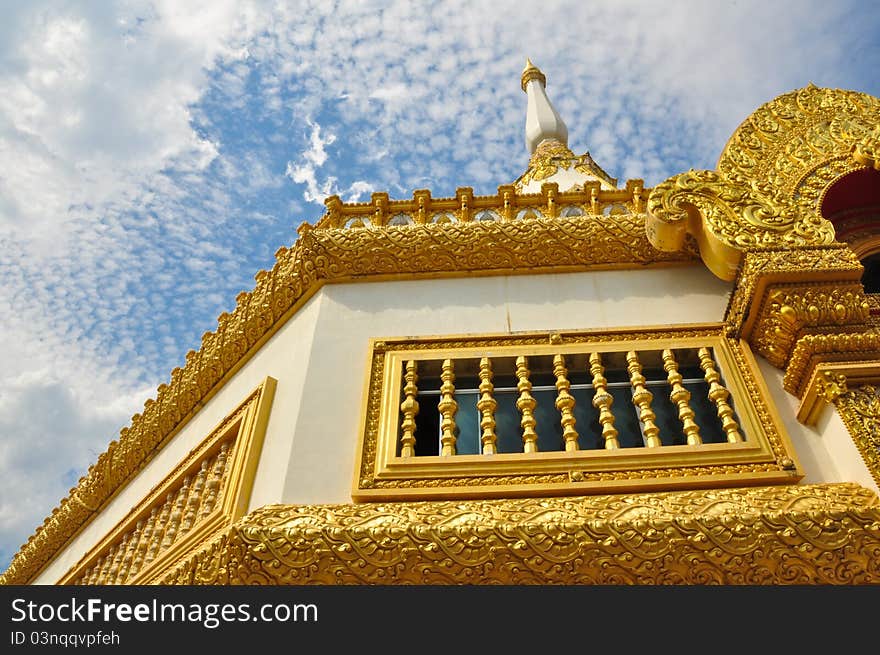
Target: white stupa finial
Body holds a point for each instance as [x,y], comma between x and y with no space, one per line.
[542,121]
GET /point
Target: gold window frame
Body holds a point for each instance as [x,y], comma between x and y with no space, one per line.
[765,457]
[242,431]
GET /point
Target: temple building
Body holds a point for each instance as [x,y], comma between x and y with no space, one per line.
[573,381]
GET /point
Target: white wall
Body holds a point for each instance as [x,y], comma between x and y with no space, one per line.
[826,451]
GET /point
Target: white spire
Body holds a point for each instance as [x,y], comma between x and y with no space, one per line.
[542,121]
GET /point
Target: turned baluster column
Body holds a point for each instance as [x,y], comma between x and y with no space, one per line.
[486,405]
[681,397]
[447,407]
[719,395]
[602,400]
[526,405]
[642,399]
[565,404]
[409,408]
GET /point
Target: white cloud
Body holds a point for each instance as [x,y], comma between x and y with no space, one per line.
[305,171]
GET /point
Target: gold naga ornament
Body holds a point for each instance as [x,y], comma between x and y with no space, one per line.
[770,179]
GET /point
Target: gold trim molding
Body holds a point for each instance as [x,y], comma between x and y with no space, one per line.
[860,410]
[800,534]
[782,296]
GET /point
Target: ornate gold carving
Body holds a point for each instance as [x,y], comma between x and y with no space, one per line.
[810,534]
[814,349]
[867,150]
[410,409]
[719,395]
[602,400]
[800,141]
[830,386]
[727,218]
[642,399]
[761,269]
[565,402]
[788,310]
[552,155]
[860,410]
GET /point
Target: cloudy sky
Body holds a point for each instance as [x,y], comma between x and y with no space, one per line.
[155,154]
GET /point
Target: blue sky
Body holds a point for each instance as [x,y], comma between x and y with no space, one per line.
[155,154]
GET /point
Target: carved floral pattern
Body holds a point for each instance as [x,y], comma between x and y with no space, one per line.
[816,534]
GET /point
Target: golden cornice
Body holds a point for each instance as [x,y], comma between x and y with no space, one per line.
[321,256]
[789,311]
[813,350]
[801,534]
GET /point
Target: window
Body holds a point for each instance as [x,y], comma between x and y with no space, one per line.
[566,413]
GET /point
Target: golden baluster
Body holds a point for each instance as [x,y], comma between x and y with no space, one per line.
[410,409]
[486,405]
[565,404]
[212,486]
[159,530]
[95,572]
[642,399]
[129,554]
[602,400]
[146,536]
[719,395]
[176,515]
[526,406]
[681,397]
[117,561]
[105,569]
[447,407]
[195,498]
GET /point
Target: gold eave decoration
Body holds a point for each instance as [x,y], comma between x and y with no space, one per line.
[770,180]
[318,257]
[804,534]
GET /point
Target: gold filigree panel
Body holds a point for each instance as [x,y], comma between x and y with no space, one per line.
[811,534]
[799,142]
[385,472]
[205,493]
